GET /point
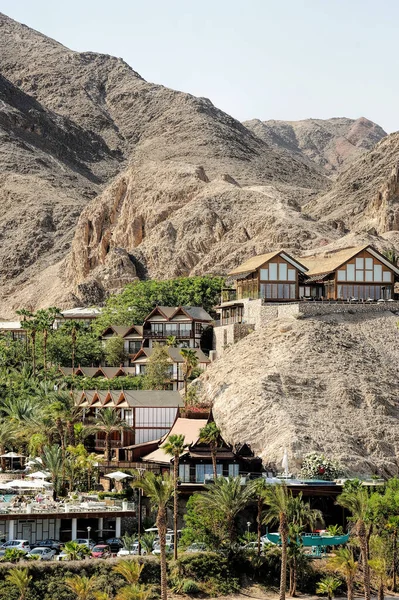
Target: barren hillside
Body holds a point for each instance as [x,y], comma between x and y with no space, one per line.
[327,384]
[330,143]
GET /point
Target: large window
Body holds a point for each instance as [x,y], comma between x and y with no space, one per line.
[278,291]
[363,292]
[205,472]
[277,272]
[134,347]
[364,269]
[184,473]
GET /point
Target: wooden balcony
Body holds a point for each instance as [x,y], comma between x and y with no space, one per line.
[162,335]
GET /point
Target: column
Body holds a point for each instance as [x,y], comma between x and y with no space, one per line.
[118,527]
[74,533]
[100,527]
[11,529]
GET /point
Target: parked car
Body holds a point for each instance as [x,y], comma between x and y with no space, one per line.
[42,553]
[53,544]
[253,546]
[22,545]
[157,548]
[115,544]
[61,556]
[196,547]
[85,542]
[134,550]
[101,551]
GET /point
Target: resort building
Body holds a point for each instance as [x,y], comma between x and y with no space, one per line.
[274,276]
[361,274]
[148,415]
[13,329]
[185,323]
[106,372]
[176,360]
[195,463]
[132,337]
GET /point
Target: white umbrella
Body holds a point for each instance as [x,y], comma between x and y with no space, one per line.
[118,475]
[11,455]
[22,484]
[39,475]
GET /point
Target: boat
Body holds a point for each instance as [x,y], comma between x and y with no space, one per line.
[312,539]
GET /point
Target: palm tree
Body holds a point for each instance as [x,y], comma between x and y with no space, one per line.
[20,579]
[171,341]
[72,327]
[133,592]
[300,517]
[357,502]
[210,434]
[52,461]
[109,421]
[64,411]
[26,314]
[147,542]
[228,497]
[83,587]
[190,362]
[277,500]
[32,326]
[345,564]
[75,551]
[258,490]
[130,570]
[174,446]
[7,436]
[45,322]
[159,490]
[328,586]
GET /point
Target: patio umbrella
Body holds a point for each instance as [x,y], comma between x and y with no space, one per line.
[11,455]
[39,475]
[22,484]
[118,475]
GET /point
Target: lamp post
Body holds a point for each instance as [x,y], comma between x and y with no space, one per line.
[141,471]
[88,537]
[248,526]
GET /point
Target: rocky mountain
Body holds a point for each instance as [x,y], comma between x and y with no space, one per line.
[71,121]
[332,144]
[322,384]
[105,177]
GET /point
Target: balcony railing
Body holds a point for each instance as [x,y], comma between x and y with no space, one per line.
[164,334]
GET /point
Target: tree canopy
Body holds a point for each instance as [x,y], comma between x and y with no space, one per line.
[137,299]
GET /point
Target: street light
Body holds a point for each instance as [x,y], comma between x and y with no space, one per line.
[248,526]
[88,536]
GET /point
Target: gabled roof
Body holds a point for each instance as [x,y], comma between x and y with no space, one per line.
[252,264]
[123,330]
[194,313]
[129,398]
[328,262]
[190,428]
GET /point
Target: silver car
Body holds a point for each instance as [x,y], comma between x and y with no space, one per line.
[42,553]
[22,545]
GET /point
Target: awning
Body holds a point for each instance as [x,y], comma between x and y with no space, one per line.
[316,278]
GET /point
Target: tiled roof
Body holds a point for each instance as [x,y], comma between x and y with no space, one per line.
[190,428]
[133,398]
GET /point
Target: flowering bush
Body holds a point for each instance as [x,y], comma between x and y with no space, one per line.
[317,466]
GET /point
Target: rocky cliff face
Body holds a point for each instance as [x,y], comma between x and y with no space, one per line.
[170,219]
[332,144]
[326,384]
[365,196]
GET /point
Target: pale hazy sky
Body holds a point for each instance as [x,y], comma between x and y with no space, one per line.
[266,59]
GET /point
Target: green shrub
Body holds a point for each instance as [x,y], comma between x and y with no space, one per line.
[190,587]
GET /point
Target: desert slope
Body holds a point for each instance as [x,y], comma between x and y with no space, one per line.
[327,384]
[332,144]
